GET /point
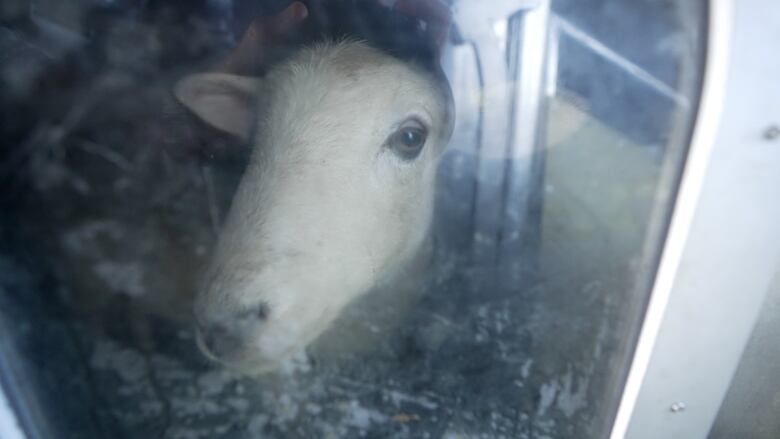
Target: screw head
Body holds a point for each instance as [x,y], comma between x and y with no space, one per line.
[772,133]
[677,407]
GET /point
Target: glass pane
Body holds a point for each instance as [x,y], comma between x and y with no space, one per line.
[618,123]
[279,249]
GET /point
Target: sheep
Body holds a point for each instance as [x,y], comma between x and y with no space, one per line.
[337,197]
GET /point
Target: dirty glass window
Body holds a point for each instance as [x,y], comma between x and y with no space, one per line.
[334,218]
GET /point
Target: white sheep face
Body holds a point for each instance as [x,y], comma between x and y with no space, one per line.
[337,196]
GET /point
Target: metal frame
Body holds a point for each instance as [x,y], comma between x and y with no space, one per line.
[723,243]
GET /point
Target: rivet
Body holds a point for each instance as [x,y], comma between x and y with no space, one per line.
[677,407]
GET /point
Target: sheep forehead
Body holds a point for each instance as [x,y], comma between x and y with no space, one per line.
[344,71]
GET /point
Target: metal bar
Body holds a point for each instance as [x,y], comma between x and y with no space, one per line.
[521,219]
[641,74]
[481,25]
[553,51]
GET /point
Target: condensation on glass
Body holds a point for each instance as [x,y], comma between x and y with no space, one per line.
[572,123]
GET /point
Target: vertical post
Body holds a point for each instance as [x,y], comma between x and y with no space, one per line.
[511,74]
[523,178]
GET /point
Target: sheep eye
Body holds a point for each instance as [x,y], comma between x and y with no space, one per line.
[409,140]
[260,312]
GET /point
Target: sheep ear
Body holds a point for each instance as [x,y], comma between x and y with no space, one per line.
[224,101]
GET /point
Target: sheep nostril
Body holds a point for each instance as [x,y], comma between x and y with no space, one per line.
[220,341]
[262,311]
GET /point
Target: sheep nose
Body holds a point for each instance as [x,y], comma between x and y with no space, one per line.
[220,341]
